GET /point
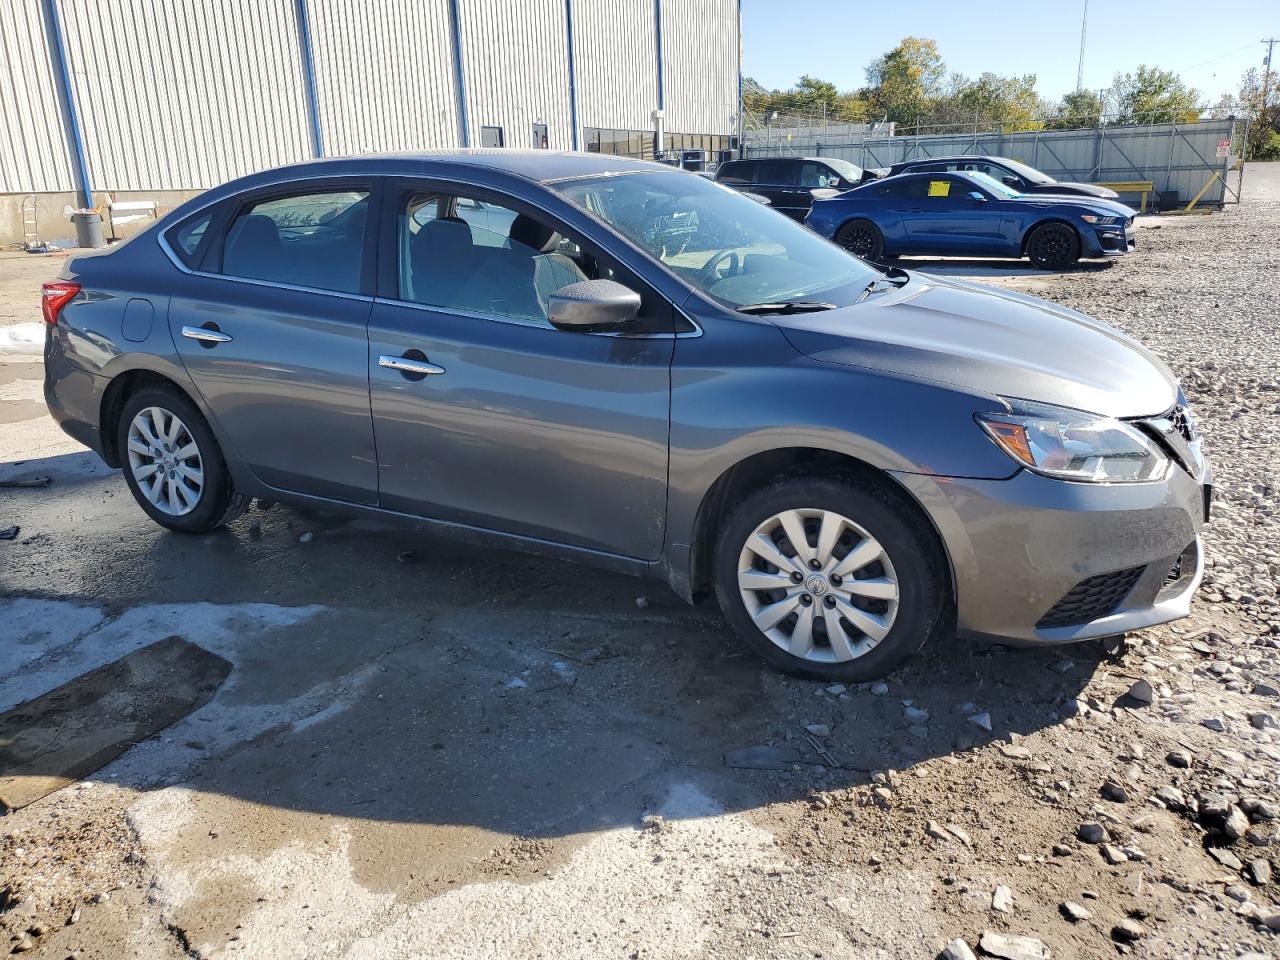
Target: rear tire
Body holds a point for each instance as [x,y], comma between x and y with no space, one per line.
[172,463]
[1053,246]
[870,571]
[862,238]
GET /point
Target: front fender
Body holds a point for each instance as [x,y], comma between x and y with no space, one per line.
[743,390]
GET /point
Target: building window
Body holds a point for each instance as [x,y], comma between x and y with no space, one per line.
[491,137]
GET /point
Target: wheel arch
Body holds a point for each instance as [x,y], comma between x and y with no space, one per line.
[114,397]
[759,468]
[1026,234]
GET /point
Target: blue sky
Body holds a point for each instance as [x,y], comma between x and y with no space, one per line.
[835,39]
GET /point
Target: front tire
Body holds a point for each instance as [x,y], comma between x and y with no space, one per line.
[173,464]
[1053,246]
[862,238]
[827,578]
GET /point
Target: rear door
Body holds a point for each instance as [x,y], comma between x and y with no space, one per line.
[271,326]
[776,179]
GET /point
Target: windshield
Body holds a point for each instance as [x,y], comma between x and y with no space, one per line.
[992,185]
[726,245]
[846,169]
[1028,173]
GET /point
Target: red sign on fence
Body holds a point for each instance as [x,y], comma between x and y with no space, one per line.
[1224,147]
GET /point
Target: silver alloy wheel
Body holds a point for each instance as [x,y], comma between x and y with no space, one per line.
[165,461]
[818,585]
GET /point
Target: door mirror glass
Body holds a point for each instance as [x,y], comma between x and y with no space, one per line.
[1011,181]
[975,195]
[593,305]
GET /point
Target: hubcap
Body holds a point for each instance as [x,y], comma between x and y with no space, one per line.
[801,556]
[858,242]
[165,461]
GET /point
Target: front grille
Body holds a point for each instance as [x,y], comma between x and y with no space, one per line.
[1091,598]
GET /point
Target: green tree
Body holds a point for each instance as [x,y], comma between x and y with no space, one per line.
[1152,95]
[1264,118]
[992,100]
[1083,108]
[903,84]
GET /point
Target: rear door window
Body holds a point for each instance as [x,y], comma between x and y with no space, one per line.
[314,239]
[774,173]
[737,173]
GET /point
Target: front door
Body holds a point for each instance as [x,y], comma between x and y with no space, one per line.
[484,413]
[271,328]
[948,215]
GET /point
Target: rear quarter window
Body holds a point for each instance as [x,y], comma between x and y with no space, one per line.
[187,238]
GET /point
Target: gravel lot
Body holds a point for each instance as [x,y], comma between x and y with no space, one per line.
[421,754]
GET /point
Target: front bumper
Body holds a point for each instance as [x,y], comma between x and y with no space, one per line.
[1023,550]
[1110,241]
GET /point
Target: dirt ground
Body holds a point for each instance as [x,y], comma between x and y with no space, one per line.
[424,750]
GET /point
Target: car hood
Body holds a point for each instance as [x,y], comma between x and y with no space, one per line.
[1098,205]
[990,342]
[1092,189]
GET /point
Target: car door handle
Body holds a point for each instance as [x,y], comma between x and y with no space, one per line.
[409,365]
[206,335]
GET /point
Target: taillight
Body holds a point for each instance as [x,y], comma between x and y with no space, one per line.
[57,295]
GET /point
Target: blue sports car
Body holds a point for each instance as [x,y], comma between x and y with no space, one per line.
[971,214]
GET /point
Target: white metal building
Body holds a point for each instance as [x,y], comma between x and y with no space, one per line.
[137,96]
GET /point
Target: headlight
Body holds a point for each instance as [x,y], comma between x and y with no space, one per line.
[1100,221]
[1071,445]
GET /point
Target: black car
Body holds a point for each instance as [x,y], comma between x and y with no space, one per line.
[789,182]
[1011,173]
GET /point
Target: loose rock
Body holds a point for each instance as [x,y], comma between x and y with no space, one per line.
[1009,946]
[1073,911]
[1092,832]
[1128,931]
[957,949]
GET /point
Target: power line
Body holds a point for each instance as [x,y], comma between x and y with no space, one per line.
[1222,56]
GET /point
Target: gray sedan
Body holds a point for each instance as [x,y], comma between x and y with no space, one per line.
[618,363]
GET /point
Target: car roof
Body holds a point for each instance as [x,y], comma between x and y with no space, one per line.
[968,158]
[541,166]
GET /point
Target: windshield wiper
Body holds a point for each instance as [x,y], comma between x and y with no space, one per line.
[787,306]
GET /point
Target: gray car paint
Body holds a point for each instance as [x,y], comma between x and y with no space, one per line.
[893,382]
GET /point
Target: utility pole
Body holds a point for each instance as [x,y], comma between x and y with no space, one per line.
[1266,76]
[1084,28]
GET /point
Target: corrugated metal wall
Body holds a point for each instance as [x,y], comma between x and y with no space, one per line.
[1175,157]
[384,75]
[185,94]
[33,142]
[615,49]
[700,65]
[517,69]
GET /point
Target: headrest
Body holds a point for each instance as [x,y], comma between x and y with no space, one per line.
[530,232]
[253,241]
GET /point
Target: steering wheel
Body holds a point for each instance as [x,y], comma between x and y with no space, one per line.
[710,271]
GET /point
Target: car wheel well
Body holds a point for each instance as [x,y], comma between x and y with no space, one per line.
[756,471]
[1040,223]
[113,401]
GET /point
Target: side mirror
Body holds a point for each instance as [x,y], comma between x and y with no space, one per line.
[1011,181]
[833,182]
[975,195]
[592,305]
